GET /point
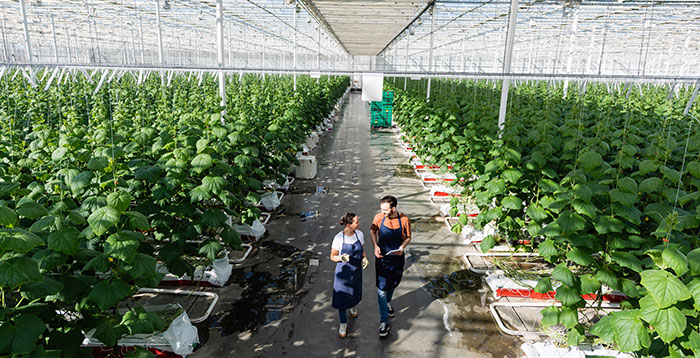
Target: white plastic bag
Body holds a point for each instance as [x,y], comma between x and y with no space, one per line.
[256,230]
[270,200]
[182,335]
[220,272]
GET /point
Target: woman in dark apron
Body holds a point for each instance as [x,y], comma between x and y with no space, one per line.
[389,246]
[348,251]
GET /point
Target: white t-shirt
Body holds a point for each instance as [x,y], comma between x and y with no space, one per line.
[350,240]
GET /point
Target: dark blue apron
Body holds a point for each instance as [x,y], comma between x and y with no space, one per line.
[347,286]
[389,269]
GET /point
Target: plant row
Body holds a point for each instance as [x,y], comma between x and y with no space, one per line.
[603,182]
[99,186]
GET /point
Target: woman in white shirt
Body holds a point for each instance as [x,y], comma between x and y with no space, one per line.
[348,251]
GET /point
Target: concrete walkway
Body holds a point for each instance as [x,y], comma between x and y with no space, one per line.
[356,168]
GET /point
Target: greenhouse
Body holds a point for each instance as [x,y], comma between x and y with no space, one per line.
[357,178]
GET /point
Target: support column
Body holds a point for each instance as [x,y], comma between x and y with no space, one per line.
[4,42]
[220,57]
[296,10]
[55,43]
[27,41]
[143,50]
[430,53]
[405,79]
[70,52]
[507,56]
[160,33]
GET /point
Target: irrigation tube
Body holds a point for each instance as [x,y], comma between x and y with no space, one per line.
[212,295]
[501,325]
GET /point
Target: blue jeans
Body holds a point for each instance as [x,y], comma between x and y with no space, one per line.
[343,315]
[384,297]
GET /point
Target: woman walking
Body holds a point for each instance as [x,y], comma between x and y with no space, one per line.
[348,251]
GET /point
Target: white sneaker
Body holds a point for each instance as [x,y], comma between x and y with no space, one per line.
[342,330]
[353,312]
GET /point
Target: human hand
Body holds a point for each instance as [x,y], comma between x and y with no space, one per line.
[378,252]
[399,252]
[345,258]
[365,263]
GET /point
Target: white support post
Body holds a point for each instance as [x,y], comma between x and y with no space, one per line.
[4,42]
[143,50]
[55,43]
[507,56]
[405,79]
[27,41]
[160,33]
[133,47]
[70,52]
[430,53]
[318,53]
[97,39]
[220,57]
[570,55]
[464,60]
[296,9]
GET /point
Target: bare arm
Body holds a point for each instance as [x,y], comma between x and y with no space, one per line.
[377,251]
[335,255]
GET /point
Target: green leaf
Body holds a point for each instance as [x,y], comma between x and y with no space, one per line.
[549,186]
[669,323]
[252,151]
[109,330]
[694,289]
[589,284]
[139,321]
[202,144]
[211,249]
[108,293]
[650,185]
[213,184]
[604,329]
[102,219]
[512,202]
[199,193]
[584,209]
[627,185]
[8,217]
[590,160]
[544,285]
[571,222]
[625,259]
[243,161]
[487,243]
[119,200]
[150,174]
[568,317]
[32,210]
[17,271]
[214,218]
[694,262]
[511,175]
[647,166]
[665,288]
[18,240]
[583,192]
[550,316]
[81,181]
[607,224]
[580,257]
[536,213]
[631,214]
[567,296]
[675,259]
[38,290]
[694,168]
[630,333]
[230,237]
[21,337]
[59,153]
[693,342]
[47,223]
[201,162]
[98,163]
[564,275]
[605,276]
[123,245]
[547,249]
[99,263]
[64,240]
[137,221]
[629,288]
[626,198]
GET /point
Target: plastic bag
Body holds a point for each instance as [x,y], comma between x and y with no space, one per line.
[270,200]
[182,335]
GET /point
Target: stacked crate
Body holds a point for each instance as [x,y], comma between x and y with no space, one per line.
[380,112]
